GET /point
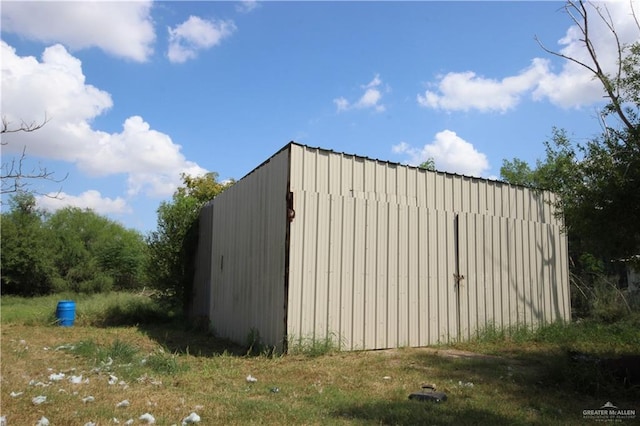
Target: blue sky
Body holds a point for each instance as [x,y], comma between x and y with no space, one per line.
[138,92]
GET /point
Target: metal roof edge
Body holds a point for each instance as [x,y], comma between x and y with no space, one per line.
[394,163]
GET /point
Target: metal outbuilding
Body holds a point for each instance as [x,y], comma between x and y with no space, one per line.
[316,245]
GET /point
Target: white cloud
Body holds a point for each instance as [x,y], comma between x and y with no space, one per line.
[572,86]
[465,91]
[123,29]
[370,99]
[56,87]
[246,6]
[450,153]
[87,200]
[195,34]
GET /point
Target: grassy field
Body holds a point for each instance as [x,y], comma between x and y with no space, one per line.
[125,358]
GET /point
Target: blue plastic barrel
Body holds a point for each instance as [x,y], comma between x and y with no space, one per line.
[66,313]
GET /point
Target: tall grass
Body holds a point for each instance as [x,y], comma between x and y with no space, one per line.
[114,308]
[589,335]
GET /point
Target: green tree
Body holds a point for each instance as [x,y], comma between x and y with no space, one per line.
[173,244]
[27,266]
[93,253]
[429,164]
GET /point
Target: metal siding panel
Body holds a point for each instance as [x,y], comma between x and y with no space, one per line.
[392,277]
[336,174]
[321,175]
[533,276]
[369,289]
[520,246]
[526,317]
[439,191]
[358,176]
[489,268]
[491,201]
[347,273]
[346,176]
[551,267]
[422,178]
[309,283]
[296,270]
[434,277]
[431,199]
[506,207]
[403,277]
[445,325]
[413,293]
[411,177]
[480,279]
[335,256]
[548,308]
[507,278]
[369,182]
[540,273]
[450,194]
[382,316]
[359,241]
[322,284]
[467,288]
[448,279]
[296,177]
[499,248]
[458,192]
[423,275]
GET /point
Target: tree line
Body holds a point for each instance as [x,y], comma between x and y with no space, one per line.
[79,250]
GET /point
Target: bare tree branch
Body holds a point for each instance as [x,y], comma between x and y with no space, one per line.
[580,16]
[23,127]
[13,177]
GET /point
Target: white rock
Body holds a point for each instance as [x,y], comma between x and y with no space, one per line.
[76,379]
[251,379]
[113,379]
[123,403]
[191,418]
[148,418]
[88,399]
[56,377]
[89,424]
[128,422]
[15,394]
[3,421]
[43,421]
[38,399]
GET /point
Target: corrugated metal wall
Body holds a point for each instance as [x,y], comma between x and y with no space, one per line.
[246,261]
[376,247]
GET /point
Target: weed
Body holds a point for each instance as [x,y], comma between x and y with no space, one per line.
[254,342]
[162,363]
[121,352]
[314,347]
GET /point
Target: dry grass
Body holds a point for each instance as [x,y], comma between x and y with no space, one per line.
[207,376]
